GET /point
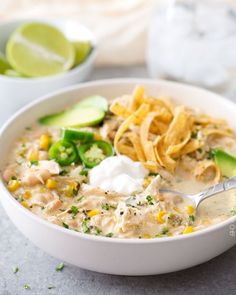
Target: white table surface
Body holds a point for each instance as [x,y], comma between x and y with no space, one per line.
[37,269]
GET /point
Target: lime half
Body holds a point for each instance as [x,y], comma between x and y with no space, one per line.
[4,65]
[38,49]
[82,50]
[13,74]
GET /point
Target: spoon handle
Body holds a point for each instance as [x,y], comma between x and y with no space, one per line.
[217,188]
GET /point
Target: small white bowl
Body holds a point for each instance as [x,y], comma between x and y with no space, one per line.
[112,255]
[16,92]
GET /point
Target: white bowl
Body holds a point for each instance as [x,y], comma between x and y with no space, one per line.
[16,92]
[112,255]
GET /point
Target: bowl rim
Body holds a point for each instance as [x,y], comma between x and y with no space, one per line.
[72,233]
[51,78]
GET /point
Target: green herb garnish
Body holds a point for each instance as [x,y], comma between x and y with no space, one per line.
[60,266]
[63,173]
[107,206]
[109,235]
[34,162]
[74,210]
[149,200]
[26,286]
[97,231]
[51,287]
[164,231]
[153,174]
[233,211]
[194,134]
[15,269]
[65,225]
[84,172]
[85,226]
[191,219]
[210,154]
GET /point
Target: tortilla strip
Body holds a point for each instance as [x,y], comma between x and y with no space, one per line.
[144,137]
[135,118]
[137,98]
[152,166]
[174,149]
[119,110]
[135,140]
[190,147]
[163,159]
[207,170]
[127,151]
[179,128]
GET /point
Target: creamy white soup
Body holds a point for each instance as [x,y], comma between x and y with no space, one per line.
[97,167]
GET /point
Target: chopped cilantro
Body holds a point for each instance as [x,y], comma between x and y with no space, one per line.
[107,206]
[13,178]
[51,287]
[63,172]
[80,198]
[194,134]
[74,210]
[15,269]
[153,174]
[65,225]
[233,211]
[97,231]
[191,219]
[60,266]
[149,200]
[84,172]
[210,154]
[164,231]
[85,226]
[34,162]
[26,286]
[109,235]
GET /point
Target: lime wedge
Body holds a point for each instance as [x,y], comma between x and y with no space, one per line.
[82,50]
[4,65]
[38,49]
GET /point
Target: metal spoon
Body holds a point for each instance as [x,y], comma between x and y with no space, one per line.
[196,199]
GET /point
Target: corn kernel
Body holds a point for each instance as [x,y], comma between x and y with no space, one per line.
[159,216]
[188,230]
[26,195]
[33,155]
[51,183]
[146,182]
[189,209]
[70,188]
[146,236]
[97,136]
[24,204]
[13,185]
[92,213]
[44,142]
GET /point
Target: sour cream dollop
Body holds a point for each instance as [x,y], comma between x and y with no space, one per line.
[119,174]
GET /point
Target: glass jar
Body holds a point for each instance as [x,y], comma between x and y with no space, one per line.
[194,41]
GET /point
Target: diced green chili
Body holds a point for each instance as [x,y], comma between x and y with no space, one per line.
[64,152]
[73,134]
[92,153]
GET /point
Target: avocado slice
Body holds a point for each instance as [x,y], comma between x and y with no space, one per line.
[75,117]
[226,162]
[94,101]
